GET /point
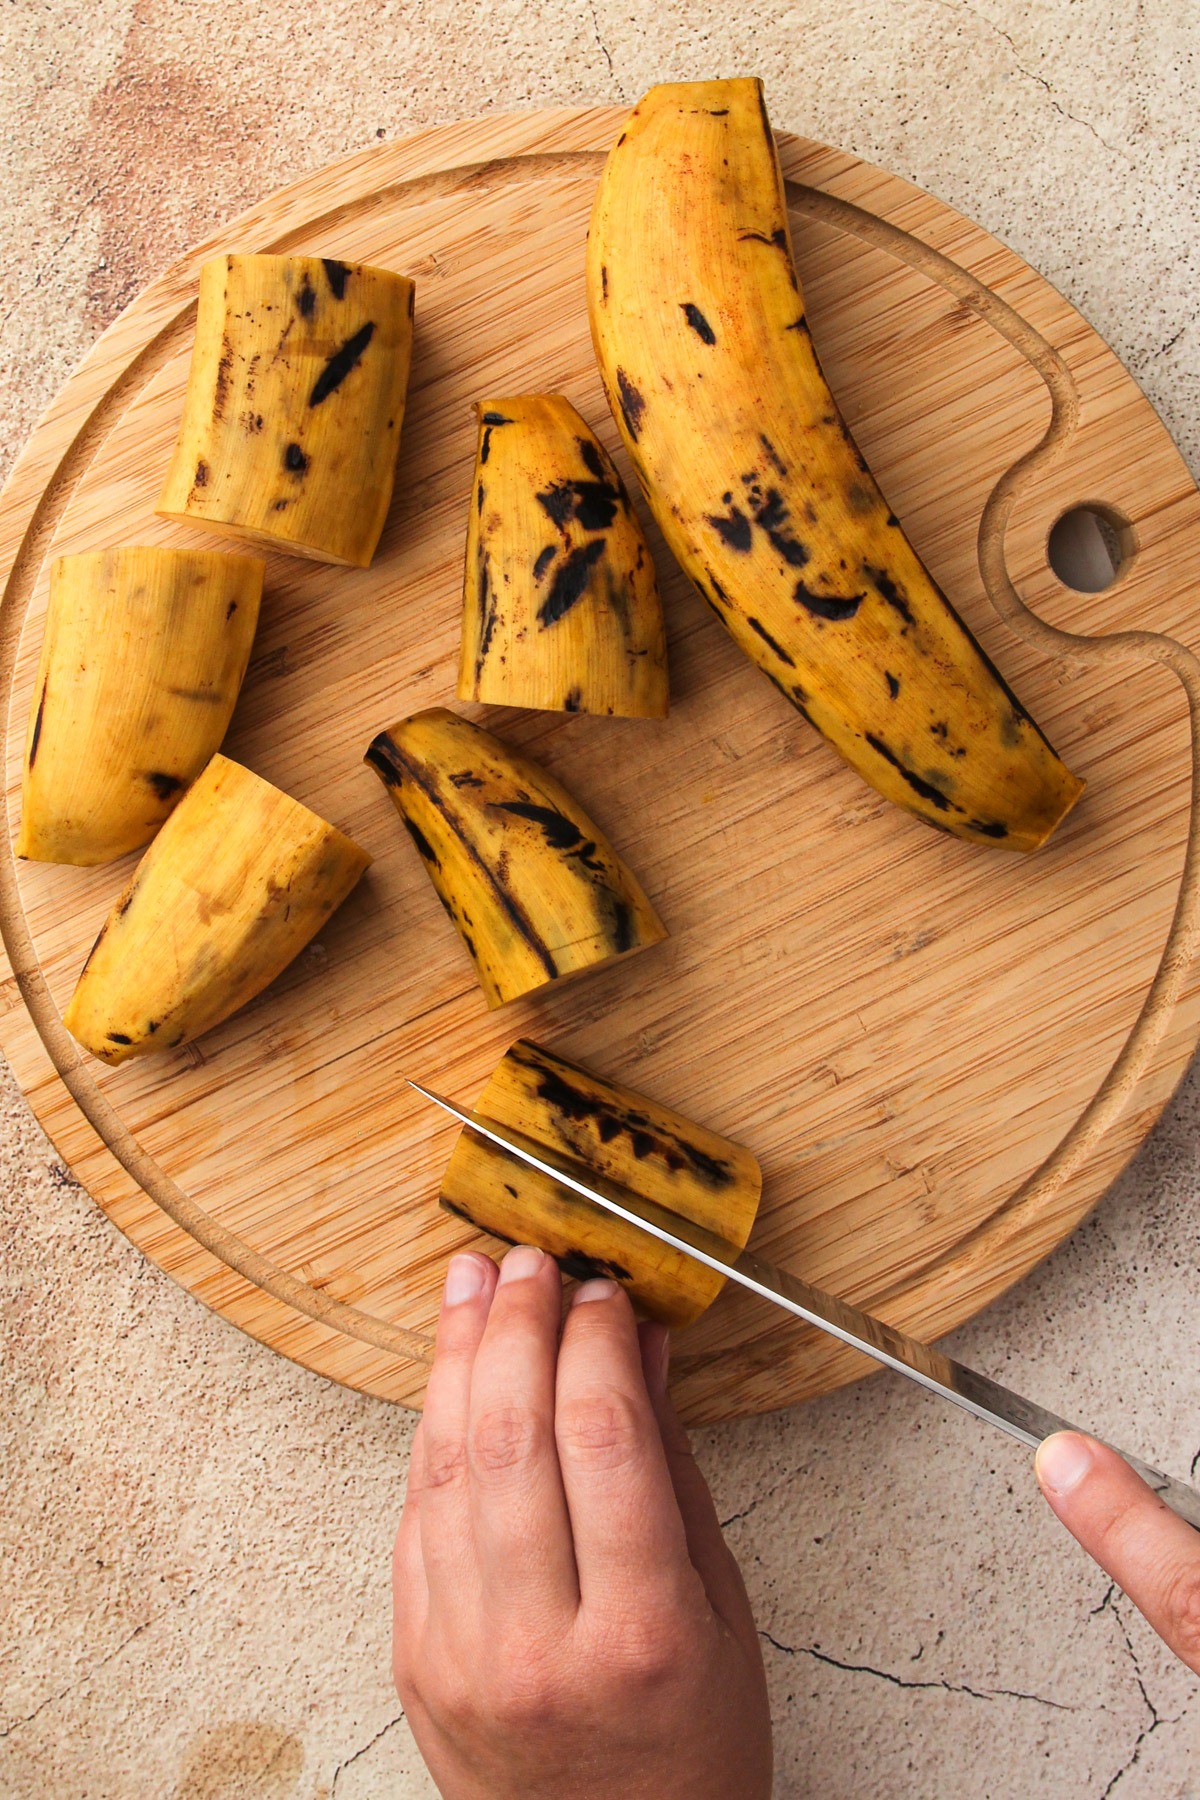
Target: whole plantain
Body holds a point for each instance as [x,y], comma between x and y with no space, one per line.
[759,489]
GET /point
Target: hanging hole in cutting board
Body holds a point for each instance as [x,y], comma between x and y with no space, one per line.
[1090,547]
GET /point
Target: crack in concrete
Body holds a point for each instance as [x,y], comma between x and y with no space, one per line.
[1153,356]
[370,1745]
[53,258]
[1162,351]
[1105,1603]
[604,48]
[785,1480]
[1196,1458]
[745,1512]
[111,1656]
[1032,75]
[941,1685]
[1137,1669]
[1156,1718]
[50,1700]
[1132,1762]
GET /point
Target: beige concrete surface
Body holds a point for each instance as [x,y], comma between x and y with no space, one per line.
[194,1535]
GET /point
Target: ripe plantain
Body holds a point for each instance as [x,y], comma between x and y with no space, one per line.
[624,1138]
[294,404]
[534,889]
[238,880]
[699,329]
[142,659]
[560,601]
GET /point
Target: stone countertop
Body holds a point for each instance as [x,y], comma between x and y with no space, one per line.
[194,1579]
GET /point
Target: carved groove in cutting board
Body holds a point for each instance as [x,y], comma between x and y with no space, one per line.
[1179,951]
[923,1282]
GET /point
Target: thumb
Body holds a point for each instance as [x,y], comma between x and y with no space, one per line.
[1148,1550]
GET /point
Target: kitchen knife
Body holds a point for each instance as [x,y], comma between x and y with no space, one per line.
[986,1399]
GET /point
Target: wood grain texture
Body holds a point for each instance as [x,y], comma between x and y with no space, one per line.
[941,1056]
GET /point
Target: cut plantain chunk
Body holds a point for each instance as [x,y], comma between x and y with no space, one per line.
[535,890]
[760,491]
[560,602]
[234,886]
[294,404]
[620,1136]
[142,661]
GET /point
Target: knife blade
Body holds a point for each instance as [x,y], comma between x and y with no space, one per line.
[977,1394]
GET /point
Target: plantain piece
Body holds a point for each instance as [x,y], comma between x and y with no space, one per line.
[709,365]
[619,1135]
[142,660]
[235,884]
[535,890]
[294,404]
[560,601]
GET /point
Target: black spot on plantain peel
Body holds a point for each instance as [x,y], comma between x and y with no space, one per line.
[35,736]
[165,786]
[633,404]
[699,323]
[783,655]
[733,528]
[346,357]
[560,833]
[593,503]
[836,608]
[570,582]
[337,274]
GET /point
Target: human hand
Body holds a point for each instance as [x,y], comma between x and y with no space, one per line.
[1150,1552]
[569,1622]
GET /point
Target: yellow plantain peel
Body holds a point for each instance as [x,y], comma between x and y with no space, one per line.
[560,601]
[535,890]
[759,489]
[625,1139]
[142,661]
[294,404]
[240,878]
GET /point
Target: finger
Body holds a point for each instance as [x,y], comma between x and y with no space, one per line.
[710,1554]
[519,1511]
[444,1511]
[628,1533]
[1148,1550]
[410,1591]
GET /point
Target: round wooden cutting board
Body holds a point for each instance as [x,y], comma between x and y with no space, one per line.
[941,1054]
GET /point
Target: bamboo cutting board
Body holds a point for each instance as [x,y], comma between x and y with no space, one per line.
[941,1054]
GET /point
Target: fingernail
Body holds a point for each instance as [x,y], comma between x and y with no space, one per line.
[593,1290]
[1062,1461]
[521,1263]
[464,1279]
